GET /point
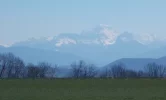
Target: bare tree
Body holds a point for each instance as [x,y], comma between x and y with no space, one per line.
[51,73]
[10,64]
[118,71]
[83,70]
[77,69]
[43,68]
[90,71]
[19,68]
[3,64]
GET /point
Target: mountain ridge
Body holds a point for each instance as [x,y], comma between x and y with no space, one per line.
[34,55]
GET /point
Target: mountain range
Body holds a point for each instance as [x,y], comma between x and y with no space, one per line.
[100,45]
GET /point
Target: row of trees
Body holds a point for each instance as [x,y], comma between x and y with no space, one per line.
[13,67]
[152,70]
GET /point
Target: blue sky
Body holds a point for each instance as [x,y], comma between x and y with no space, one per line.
[22,19]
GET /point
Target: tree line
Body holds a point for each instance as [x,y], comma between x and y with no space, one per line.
[12,66]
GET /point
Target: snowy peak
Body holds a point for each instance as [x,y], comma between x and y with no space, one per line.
[109,35]
[104,34]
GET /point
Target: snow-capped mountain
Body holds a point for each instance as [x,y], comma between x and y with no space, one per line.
[101,44]
[100,35]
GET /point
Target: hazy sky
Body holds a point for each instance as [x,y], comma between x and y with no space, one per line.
[22,19]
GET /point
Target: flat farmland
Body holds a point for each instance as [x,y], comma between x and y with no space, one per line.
[83,89]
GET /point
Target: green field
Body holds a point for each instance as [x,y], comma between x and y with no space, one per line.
[85,89]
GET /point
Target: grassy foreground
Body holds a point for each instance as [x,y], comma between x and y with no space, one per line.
[88,89]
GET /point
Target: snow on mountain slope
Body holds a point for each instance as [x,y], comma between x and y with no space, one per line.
[100,35]
[106,35]
[146,38]
[65,41]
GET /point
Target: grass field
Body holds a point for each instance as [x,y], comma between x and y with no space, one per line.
[88,89]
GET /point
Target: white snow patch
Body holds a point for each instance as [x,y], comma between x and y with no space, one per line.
[146,38]
[65,41]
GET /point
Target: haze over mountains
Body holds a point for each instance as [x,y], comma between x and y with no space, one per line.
[100,45]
